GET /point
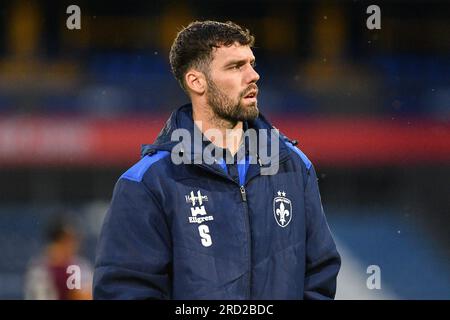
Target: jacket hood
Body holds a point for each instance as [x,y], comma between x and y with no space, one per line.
[182,119]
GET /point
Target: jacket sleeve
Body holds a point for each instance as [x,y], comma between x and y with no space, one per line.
[322,259]
[134,251]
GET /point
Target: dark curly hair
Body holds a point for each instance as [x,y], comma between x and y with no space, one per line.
[193,45]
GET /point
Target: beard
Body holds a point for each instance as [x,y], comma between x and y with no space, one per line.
[226,108]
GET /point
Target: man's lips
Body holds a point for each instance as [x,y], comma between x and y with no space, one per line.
[251,94]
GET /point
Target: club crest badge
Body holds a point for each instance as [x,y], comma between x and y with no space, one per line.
[282,209]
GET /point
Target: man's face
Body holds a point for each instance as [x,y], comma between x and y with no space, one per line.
[232,90]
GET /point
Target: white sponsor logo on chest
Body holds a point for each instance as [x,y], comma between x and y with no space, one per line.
[200,216]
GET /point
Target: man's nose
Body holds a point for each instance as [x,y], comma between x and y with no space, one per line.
[253,75]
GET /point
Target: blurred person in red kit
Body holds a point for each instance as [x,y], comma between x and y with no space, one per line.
[53,274]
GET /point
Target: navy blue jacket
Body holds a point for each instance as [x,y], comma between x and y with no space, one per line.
[190,231]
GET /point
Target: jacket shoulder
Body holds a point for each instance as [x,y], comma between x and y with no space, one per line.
[137,171]
[299,153]
[292,145]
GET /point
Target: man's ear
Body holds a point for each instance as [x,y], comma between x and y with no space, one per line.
[195,81]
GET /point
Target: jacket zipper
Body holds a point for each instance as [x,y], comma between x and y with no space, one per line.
[249,240]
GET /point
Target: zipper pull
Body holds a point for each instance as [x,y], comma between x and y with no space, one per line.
[259,160]
[243,194]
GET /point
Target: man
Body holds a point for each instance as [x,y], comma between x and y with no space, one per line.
[216,228]
[47,276]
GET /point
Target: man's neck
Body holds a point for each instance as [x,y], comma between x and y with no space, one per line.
[230,132]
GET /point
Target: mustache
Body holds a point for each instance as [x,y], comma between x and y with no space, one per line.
[252,87]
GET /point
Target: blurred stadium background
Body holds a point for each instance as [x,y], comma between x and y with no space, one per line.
[371,109]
